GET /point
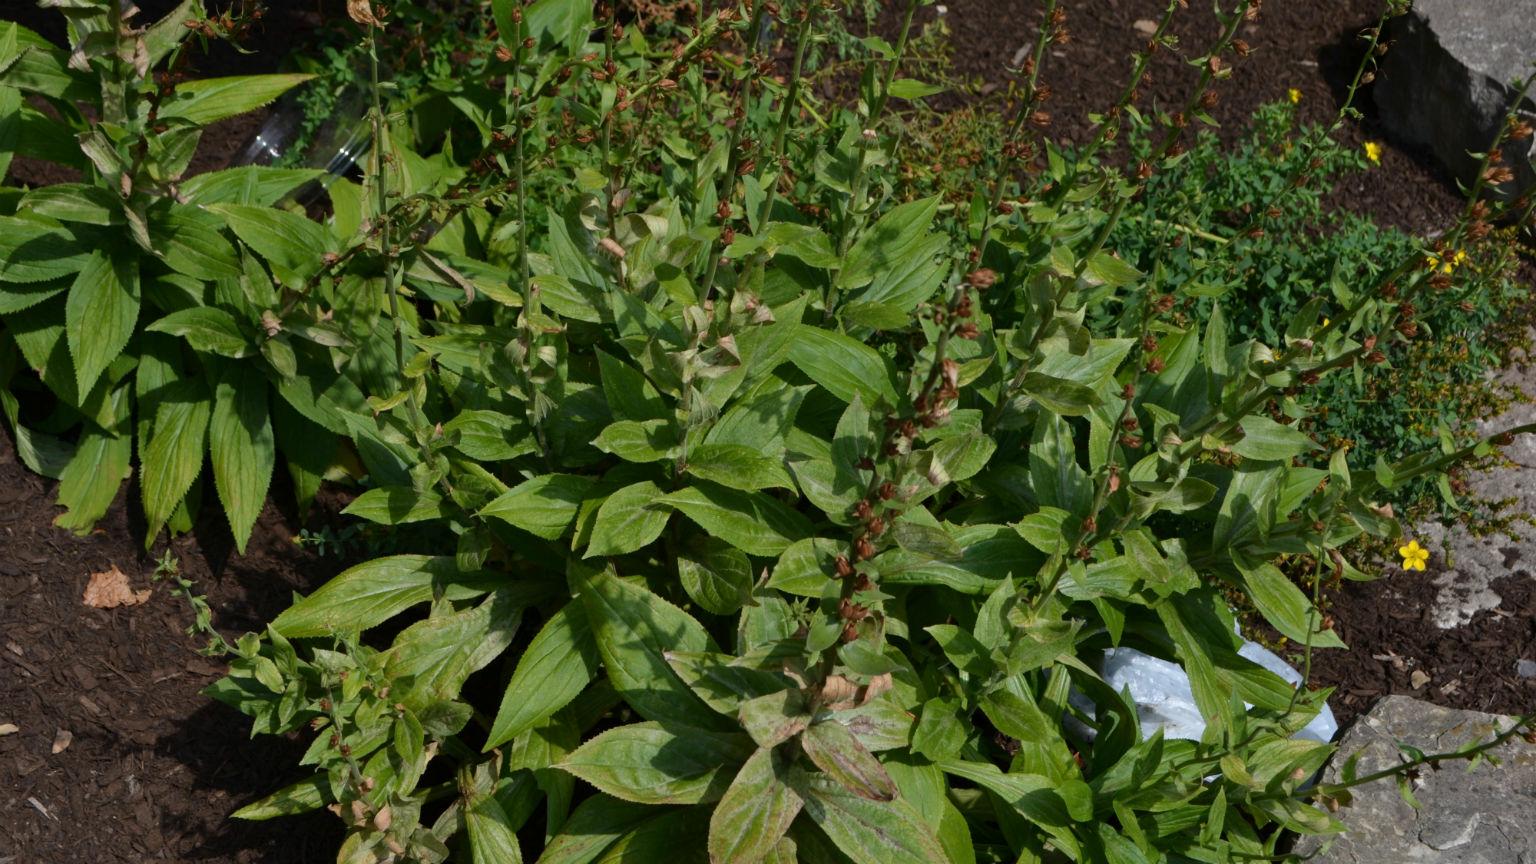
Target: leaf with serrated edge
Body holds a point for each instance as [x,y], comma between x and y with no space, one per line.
[870,832]
[834,750]
[555,667]
[754,813]
[659,763]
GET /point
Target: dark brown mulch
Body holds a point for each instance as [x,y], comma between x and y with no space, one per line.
[1391,636]
[1310,45]
[154,767]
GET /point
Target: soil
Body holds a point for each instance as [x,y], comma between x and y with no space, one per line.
[153,768]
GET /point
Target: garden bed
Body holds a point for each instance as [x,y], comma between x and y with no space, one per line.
[153,768]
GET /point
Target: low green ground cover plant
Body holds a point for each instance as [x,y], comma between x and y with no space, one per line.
[769,513]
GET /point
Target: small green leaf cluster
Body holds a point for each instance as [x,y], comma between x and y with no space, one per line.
[767,513]
[1313,247]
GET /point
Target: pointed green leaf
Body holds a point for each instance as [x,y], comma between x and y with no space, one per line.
[241,444]
[629,520]
[100,315]
[754,814]
[752,522]
[544,506]
[660,763]
[556,666]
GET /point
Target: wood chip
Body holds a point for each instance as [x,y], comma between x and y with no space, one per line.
[38,806]
[109,589]
[1418,679]
[62,741]
[1145,26]
[8,729]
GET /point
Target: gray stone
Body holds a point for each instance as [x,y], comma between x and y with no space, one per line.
[1487,816]
[1471,565]
[1445,83]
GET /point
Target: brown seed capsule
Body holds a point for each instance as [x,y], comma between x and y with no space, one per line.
[863,550]
[982,278]
[1155,365]
[844,569]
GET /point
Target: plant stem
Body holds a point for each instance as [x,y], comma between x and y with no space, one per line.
[853,216]
[1026,106]
[733,159]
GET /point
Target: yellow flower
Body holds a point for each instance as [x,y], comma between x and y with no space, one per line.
[1294,95]
[1373,151]
[1414,555]
[1460,258]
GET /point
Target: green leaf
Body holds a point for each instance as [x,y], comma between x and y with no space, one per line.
[174,456]
[432,658]
[660,763]
[257,185]
[716,575]
[634,441]
[490,436]
[723,684]
[492,837]
[191,242]
[397,505]
[301,797]
[1111,271]
[209,100]
[630,519]
[885,241]
[375,591]
[294,246]
[241,444]
[596,825]
[34,252]
[738,467]
[906,88]
[1060,395]
[755,812]
[10,126]
[843,366]
[750,521]
[89,482]
[544,506]
[555,667]
[74,202]
[206,329]
[1032,796]
[634,630]
[870,832]
[100,314]
[1284,605]
[630,396]
[835,751]
[1268,441]
[1057,478]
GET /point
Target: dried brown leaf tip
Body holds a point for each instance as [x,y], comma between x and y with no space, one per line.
[840,694]
[361,11]
[109,589]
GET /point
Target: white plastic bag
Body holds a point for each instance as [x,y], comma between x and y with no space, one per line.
[1165,701]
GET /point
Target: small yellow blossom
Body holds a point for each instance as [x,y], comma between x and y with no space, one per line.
[1450,263]
[1414,555]
[1294,95]
[1373,151]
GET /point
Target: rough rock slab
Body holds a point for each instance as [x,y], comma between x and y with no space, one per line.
[1487,816]
[1472,564]
[1445,83]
